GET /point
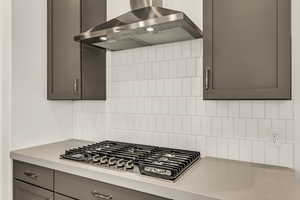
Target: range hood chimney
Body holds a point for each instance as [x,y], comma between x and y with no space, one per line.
[137,4]
[147,24]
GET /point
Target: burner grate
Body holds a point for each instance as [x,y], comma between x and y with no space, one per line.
[152,161]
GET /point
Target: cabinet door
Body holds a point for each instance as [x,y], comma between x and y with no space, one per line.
[24,191]
[247,49]
[64,72]
[93,63]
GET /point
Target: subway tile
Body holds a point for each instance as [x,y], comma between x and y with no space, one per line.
[197,86]
[227,127]
[211,108]
[187,124]
[186,49]
[264,128]
[245,109]
[200,106]
[272,110]
[258,109]
[290,133]
[191,108]
[240,128]
[196,125]
[199,67]
[287,155]
[272,154]
[191,67]
[233,108]
[222,108]
[286,110]
[205,126]
[222,148]
[180,68]
[197,48]
[258,152]
[186,87]
[211,146]
[177,51]
[200,144]
[245,150]
[216,127]
[233,149]
[251,128]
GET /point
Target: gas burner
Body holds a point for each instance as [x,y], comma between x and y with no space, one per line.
[147,160]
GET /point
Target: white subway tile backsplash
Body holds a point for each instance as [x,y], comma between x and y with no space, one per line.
[155,97]
[258,109]
[245,150]
[222,108]
[287,155]
[272,110]
[233,149]
[251,128]
[272,154]
[258,152]
[228,127]
[211,108]
[216,127]
[245,109]
[211,146]
[240,128]
[286,110]
[233,108]
[222,148]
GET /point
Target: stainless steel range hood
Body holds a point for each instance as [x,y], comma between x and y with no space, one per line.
[147,24]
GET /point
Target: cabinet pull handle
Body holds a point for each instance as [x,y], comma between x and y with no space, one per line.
[207,71]
[31,175]
[75,86]
[98,195]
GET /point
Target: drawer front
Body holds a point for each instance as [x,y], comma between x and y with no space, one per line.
[60,197]
[24,191]
[87,189]
[33,174]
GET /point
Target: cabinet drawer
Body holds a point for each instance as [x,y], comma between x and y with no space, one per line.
[24,191]
[60,197]
[33,174]
[87,189]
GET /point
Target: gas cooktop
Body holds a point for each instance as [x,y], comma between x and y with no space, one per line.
[165,163]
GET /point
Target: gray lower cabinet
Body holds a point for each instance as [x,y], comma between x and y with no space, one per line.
[75,71]
[25,191]
[247,49]
[33,182]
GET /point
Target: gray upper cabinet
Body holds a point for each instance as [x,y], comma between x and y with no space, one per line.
[75,71]
[247,49]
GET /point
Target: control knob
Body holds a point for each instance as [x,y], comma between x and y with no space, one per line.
[129,164]
[112,161]
[104,160]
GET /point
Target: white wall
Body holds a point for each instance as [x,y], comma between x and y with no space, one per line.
[34,119]
[296,75]
[5,67]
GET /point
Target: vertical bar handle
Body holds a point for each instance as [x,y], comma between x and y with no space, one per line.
[207,72]
[75,86]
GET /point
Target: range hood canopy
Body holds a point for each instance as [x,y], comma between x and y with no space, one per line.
[147,24]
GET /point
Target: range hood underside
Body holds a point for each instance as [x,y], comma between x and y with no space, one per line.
[166,29]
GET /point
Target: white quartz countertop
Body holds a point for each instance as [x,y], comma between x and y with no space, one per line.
[208,179]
